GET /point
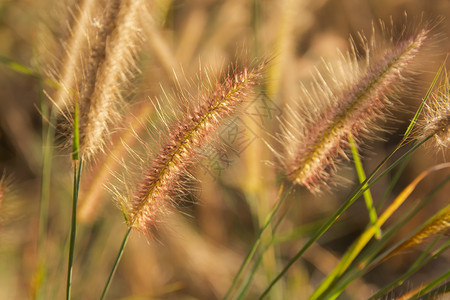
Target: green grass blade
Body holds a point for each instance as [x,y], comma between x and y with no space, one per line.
[362,177]
[22,69]
[76,178]
[257,241]
[393,182]
[427,95]
[351,199]
[17,67]
[368,263]
[48,137]
[413,269]
[434,294]
[241,293]
[432,284]
[76,135]
[367,235]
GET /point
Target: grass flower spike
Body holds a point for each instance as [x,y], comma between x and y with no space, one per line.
[437,116]
[92,80]
[154,193]
[440,224]
[344,102]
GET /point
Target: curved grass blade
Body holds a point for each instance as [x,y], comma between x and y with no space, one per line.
[367,194]
[367,235]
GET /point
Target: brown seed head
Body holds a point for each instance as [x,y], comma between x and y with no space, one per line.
[436,121]
[162,178]
[97,66]
[344,102]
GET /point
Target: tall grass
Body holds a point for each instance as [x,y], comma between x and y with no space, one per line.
[237,175]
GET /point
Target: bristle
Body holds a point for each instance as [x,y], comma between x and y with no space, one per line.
[440,224]
[192,133]
[99,61]
[344,102]
[436,122]
[69,67]
[115,69]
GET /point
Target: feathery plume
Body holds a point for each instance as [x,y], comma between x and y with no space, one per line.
[154,194]
[436,120]
[107,38]
[66,69]
[115,68]
[438,225]
[345,102]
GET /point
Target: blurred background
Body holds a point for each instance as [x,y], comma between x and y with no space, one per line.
[196,253]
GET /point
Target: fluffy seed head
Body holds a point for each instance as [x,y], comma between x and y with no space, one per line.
[344,101]
[436,121]
[106,38]
[185,140]
[440,224]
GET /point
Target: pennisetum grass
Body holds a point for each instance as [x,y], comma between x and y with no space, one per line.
[91,76]
[346,101]
[97,63]
[435,122]
[440,218]
[153,197]
[365,237]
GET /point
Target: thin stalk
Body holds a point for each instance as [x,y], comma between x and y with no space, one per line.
[367,235]
[421,261]
[245,286]
[432,284]
[368,263]
[363,186]
[116,263]
[256,243]
[422,104]
[443,289]
[76,133]
[48,135]
[76,186]
[367,195]
[393,182]
[22,69]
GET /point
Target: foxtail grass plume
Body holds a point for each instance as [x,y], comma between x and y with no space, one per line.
[436,120]
[102,67]
[195,130]
[440,224]
[345,101]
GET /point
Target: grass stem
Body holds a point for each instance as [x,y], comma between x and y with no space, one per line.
[76,186]
[116,263]
[283,195]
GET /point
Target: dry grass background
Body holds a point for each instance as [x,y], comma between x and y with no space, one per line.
[196,254]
